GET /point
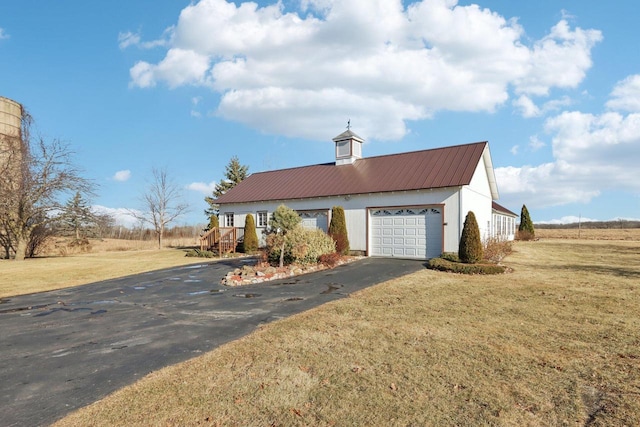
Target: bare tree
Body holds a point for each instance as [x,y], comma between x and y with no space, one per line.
[36,175]
[162,203]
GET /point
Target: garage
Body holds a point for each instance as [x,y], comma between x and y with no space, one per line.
[408,232]
[315,219]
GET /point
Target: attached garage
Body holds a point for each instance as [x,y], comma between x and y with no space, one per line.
[408,232]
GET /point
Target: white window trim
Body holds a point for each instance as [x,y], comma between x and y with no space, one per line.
[228,218]
[266,219]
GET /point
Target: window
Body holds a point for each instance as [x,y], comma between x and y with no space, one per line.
[343,149]
[262,219]
[228,219]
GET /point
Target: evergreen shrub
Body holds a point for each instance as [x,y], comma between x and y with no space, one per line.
[250,235]
[526,230]
[338,230]
[470,248]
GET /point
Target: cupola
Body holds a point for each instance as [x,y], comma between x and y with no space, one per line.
[348,147]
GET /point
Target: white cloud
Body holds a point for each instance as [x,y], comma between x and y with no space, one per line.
[3,34]
[626,95]
[592,153]
[122,175]
[535,144]
[527,107]
[128,39]
[302,72]
[569,219]
[514,150]
[560,59]
[122,216]
[202,187]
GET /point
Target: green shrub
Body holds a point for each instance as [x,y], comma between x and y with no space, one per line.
[525,229]
[450,256]
[199,254]
[338,230]
[250,235]
[301,246]
[470,248]
[457,267]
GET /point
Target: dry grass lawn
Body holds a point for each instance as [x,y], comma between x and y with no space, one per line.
[555,342]
[108,259]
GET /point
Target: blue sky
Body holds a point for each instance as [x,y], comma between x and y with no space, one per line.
[553,86]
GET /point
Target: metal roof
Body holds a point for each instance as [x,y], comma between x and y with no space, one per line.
[502,209]
[434,168]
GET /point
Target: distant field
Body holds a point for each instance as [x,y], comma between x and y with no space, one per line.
[590,234]
[555,342]
[108,259]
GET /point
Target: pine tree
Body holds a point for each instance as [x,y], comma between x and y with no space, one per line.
[525,229]
[250,236]
[234,174]
[470,248]
[77,216]
[338,230]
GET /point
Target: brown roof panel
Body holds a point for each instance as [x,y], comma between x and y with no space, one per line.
[500,208]
[435,168]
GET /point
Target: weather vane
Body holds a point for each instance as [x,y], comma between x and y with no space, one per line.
[349,124]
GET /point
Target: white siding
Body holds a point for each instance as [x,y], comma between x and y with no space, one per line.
[476,197]
[355,209]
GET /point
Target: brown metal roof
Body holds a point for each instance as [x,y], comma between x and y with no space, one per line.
[500,208]
[435,168]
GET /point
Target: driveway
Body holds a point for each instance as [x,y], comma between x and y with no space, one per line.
[65,349]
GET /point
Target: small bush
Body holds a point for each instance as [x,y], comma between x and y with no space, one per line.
[199,254]
[330,260]
[78,245]
[470,248]
[441,264]
[525,235]
[301,246]
[496,249]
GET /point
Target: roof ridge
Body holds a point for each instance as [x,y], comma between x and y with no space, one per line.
[423,150]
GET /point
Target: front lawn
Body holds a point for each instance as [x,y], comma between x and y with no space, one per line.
[555,342]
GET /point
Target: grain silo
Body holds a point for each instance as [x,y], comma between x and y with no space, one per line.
[10,117]
[11,148]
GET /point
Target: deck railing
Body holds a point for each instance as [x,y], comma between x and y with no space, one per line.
[223,239]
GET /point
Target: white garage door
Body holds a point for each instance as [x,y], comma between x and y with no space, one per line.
[414,232]
[315,219]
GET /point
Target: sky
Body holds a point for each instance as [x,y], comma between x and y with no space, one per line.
[554,86]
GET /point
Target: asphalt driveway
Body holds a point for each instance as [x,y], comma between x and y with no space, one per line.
[64,349]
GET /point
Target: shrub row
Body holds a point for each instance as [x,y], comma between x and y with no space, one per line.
[199,254]
[442,264]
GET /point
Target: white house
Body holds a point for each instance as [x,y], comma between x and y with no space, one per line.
[410,205]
